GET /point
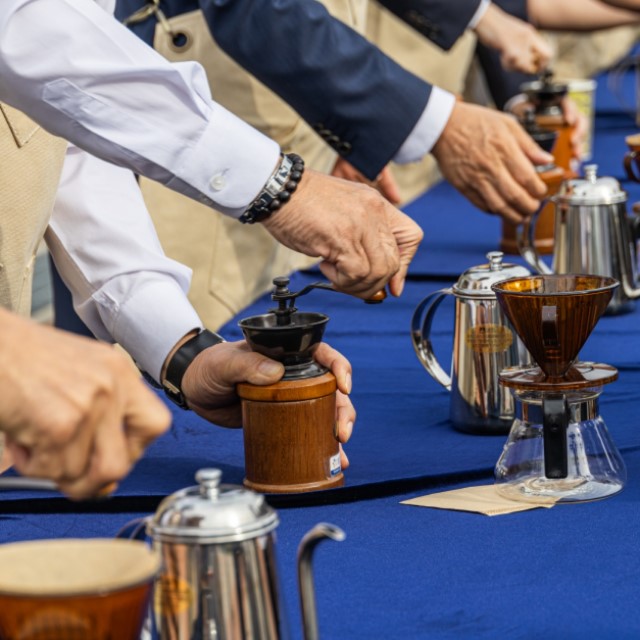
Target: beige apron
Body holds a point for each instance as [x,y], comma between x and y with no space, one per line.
[232,263]
[30,165]
[445,69]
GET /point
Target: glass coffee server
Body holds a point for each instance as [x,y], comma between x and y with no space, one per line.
[559,448]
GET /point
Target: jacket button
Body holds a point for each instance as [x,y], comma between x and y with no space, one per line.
[343,148]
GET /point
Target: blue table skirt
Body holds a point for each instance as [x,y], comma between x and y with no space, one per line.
[570,572]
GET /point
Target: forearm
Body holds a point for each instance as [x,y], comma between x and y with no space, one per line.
[585,15]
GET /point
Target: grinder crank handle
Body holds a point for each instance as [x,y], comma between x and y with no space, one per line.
[376,298]
[281,291]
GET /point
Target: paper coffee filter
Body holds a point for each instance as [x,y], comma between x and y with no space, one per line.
[74,566]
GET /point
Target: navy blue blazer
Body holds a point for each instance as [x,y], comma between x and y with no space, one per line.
[442,21]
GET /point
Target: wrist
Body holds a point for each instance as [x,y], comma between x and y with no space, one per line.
[179,360]
[180,343]
[277,191]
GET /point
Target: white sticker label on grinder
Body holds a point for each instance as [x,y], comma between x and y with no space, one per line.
[334,465]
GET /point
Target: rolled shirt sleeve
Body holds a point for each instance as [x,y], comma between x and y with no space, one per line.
[81,75]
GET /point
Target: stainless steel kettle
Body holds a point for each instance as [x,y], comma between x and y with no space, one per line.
[484,343]
[593,234]
[218,578]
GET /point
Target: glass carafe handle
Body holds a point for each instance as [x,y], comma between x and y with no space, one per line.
[555,416]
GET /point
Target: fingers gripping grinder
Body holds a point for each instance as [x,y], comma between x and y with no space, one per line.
[290,438]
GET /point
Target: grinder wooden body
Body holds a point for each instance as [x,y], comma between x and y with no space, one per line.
[562,150]
[290,439]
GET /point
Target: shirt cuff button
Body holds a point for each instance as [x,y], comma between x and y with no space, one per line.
[218,182]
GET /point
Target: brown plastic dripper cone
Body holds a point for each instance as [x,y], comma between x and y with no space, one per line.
[555,314]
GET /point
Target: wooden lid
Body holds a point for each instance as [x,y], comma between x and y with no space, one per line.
[290,390]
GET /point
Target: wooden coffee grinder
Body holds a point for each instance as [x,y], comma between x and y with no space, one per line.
[546,96]
[290,439]
[552,175]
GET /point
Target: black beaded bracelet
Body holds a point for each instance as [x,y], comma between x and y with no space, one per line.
[278,190]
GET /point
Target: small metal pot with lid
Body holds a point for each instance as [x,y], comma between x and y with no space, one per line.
[218,578]
[593,235]
[484,343]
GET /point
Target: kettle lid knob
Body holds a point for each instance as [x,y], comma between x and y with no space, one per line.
[495,260]
[591,172]
[209,481]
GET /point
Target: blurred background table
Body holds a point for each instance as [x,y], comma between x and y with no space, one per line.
[407,572]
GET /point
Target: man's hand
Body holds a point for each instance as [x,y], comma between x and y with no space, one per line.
[364,241]
[520,45]
[384,183]
[73,410]
[209,384]
[489,158]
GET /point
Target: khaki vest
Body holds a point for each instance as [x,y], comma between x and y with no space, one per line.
[30,165]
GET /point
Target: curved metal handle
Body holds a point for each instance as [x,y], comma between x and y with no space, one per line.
[420,330]
[630,159]
[628,281]
[306,548]
[134,529]
[525,237]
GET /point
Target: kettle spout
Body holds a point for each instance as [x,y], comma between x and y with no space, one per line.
[305,574]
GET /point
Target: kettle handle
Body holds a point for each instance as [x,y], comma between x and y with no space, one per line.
[525,237]
[420,335]
[307,546]
[627,240]
[134,529]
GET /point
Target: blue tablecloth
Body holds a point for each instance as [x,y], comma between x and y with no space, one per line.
[406,572]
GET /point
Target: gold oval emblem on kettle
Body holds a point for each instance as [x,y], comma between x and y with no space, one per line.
[172,596]
[489,338]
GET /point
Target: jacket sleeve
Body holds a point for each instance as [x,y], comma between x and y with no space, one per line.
[442,21]
[361,102]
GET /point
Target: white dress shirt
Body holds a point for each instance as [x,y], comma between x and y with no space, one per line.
[105,247]
[79,73]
